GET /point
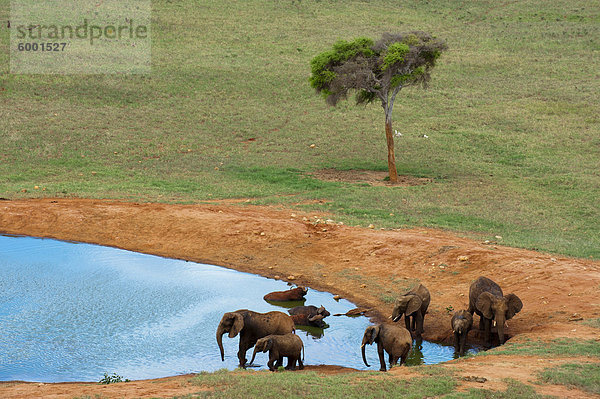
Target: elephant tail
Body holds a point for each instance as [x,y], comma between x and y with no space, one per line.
[302,352]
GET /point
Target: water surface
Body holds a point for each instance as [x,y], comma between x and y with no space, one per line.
[71,312]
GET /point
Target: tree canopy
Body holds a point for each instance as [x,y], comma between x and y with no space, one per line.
[376,70]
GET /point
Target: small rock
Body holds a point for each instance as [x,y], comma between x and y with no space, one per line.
[498,237]
[276,277]
[337,297]
[304,219]
[270,267]
[371,226]
[293,215]
[291,277]
[36,187]
[442,267]
[262,233]
[324,230]
[463,258]
[363,286]
[324,275]
[312,146]
[553,259]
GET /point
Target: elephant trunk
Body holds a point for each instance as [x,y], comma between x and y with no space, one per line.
[500,326]
[220,332]
[253,356]
[362,348]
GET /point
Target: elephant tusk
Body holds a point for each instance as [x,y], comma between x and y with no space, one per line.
[362,346]
[390,317]
[493,323]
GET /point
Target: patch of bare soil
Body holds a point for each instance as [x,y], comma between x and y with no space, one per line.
[365,266]
[371,177]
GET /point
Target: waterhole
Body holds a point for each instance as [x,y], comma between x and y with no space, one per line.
[72,312]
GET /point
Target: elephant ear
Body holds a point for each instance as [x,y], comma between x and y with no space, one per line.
[484,304]
[371,334]
[514,305]
[268,345]
[414,304]
[238,324]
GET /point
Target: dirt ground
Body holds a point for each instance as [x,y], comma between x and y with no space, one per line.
[366,266]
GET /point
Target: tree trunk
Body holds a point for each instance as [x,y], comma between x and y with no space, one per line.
[390,146]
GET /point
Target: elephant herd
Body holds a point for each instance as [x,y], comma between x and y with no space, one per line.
[274,332]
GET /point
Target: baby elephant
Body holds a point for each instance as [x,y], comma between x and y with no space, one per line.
[280,346]
[395,340]
[295,294]
[309,315]
[462,321]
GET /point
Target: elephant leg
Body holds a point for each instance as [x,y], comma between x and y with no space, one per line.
[272,363]
[487,336]
[403,358]
[456,342]
[481,323]
[391,359]
[394,360]
[245,344]
[291,363]
[300,364]
[407,322]
[463,341]
[381,358]
[279,362]
[419,324]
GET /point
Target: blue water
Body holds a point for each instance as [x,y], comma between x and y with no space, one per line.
[72,312]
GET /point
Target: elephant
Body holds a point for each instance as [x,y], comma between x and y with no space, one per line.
[395,340]
[413,304]
[295,294]
[280,346]
[309,315]
[461,322]
[487,300]
[251,326]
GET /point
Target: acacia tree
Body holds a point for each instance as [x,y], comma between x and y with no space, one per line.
[376,71]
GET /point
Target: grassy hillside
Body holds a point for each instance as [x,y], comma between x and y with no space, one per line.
[512,117]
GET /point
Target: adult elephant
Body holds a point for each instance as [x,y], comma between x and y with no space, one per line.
[487,300]
[396,341]
[413,305]
[251,326]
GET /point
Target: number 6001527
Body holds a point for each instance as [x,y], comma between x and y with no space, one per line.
[41,46]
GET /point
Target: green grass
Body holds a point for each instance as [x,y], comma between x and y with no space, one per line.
[592,323]
[557,347]
[581,376]
[515,390]
[511,116]
[312,385]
